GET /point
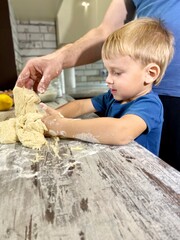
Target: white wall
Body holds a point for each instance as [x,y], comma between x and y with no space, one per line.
[36,38]
[74,20]
[101,7]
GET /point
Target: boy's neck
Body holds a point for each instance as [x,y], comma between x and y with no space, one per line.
[132,99]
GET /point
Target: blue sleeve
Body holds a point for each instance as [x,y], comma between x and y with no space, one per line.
[100,102]
[149,108]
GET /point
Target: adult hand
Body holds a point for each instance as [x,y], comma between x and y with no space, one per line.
[38,73]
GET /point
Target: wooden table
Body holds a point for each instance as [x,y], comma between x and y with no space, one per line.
[72,190]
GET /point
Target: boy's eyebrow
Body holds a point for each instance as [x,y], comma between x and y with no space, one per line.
[118,68]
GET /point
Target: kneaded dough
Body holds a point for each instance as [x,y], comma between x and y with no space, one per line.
[8,131]
[25,101]
[27,126]
[30,130]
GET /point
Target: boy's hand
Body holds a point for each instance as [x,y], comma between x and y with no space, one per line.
[52,120]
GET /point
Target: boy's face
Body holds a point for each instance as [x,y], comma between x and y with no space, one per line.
[126,78]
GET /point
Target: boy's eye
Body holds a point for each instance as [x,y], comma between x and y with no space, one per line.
[117,73]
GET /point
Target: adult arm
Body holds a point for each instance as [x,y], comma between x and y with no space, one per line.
[38,72]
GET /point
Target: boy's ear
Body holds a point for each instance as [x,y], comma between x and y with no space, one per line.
[152,72]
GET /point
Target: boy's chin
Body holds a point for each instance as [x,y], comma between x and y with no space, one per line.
[117,98]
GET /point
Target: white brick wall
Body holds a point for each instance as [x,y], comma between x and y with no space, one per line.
[90,72]
[36,38]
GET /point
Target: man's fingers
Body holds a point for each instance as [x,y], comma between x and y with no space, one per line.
[43,84]
[45,80]
[23,78]
[37,74]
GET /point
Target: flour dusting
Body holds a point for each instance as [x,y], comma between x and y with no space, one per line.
[88,137]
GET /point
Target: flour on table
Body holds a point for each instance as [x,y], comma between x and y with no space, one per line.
[27,126]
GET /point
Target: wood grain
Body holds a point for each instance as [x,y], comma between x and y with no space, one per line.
[82,191]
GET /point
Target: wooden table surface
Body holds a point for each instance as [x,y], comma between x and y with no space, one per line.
[87,191]
[72,190]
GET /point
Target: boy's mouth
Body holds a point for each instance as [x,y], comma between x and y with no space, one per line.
[113,91]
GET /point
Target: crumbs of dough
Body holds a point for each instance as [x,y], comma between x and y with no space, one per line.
[55,147]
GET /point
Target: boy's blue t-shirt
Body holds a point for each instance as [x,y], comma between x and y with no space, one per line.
[168,12]
[148,107]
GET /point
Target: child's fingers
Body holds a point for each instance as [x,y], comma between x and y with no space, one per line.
[49,110]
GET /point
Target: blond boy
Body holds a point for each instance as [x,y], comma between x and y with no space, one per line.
[136,57]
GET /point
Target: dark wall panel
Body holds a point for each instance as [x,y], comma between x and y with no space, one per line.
[8,73]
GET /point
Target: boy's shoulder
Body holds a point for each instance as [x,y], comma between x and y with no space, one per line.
[149,102]
[149,96]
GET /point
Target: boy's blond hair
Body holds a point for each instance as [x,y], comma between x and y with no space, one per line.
[145,40]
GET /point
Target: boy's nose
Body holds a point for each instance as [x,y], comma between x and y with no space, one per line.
[109,80]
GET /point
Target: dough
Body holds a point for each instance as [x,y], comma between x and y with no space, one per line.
[30,130]
[8,131]
[27,126]
[25,101]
